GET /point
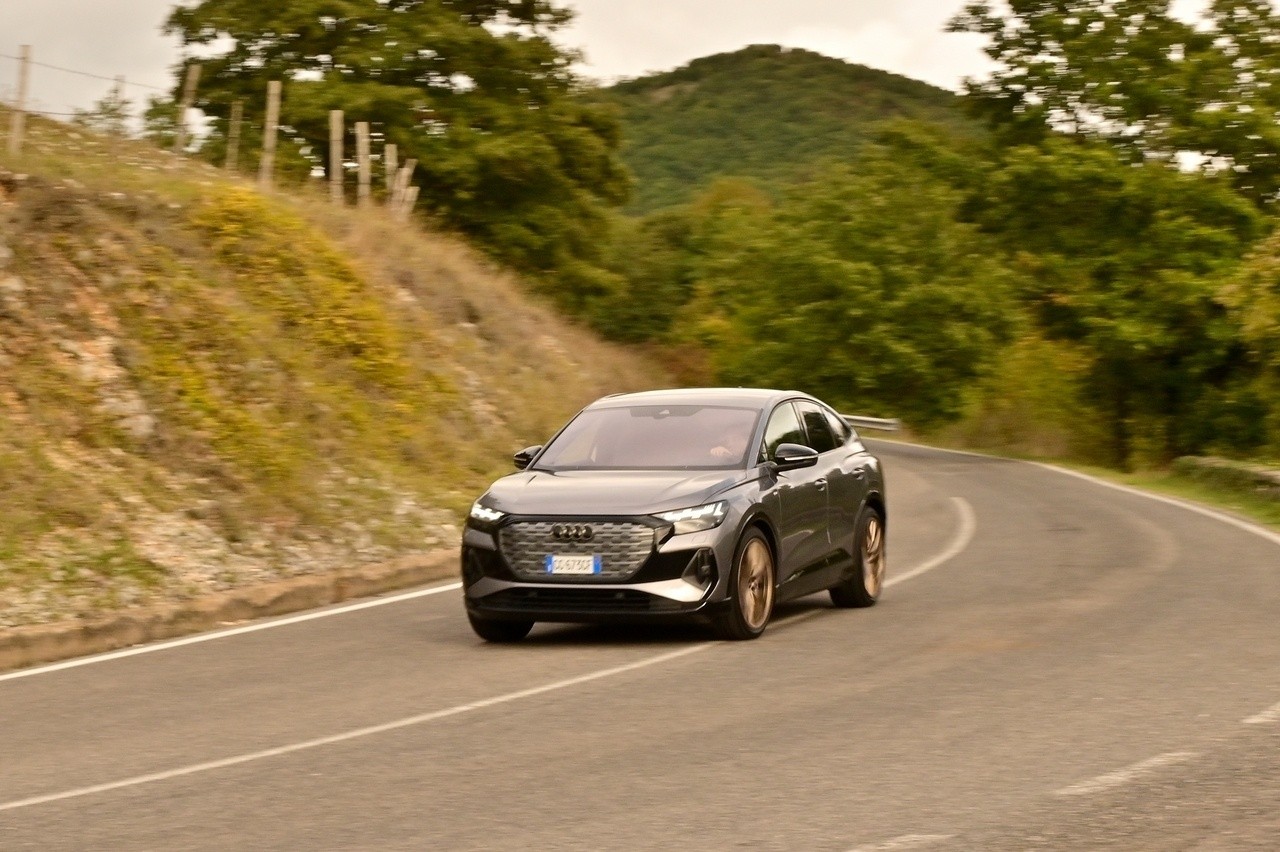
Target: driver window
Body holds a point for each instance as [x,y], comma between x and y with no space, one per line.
[784,428]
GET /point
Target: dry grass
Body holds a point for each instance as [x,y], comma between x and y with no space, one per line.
[202,387]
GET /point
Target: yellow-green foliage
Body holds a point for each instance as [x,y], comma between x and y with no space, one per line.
[291,272]
[274,350]
[1030,404]
[202,386]
[1253,296]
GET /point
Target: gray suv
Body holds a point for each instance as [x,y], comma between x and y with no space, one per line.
[711,504]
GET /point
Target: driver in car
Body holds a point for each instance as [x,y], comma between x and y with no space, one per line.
[731,443]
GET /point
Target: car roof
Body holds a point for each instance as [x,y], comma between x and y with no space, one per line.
[747,397]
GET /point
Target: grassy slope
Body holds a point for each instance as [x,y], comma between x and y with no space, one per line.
[202,387]
[760,112]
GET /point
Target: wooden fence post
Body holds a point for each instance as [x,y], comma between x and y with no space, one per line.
[18,122]
[336,133]
[233,135]
[390,153]
[403,177]
[266,172]
[188,98]
[362,158]
[410,199]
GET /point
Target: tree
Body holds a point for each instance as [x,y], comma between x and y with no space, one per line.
[475,90]
[1253,296]
[861,286]
[109,116]
[160,121]
[1129,73]
[1125,260]
[658,258]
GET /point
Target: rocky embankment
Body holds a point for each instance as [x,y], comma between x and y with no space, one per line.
[113,518]
[215,404]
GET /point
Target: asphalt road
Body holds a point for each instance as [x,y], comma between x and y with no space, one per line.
[1057,665]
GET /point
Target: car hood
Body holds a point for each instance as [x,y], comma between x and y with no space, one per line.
[607,492]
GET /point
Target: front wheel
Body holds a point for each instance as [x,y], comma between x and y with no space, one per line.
[863,588]
[499,631]
[751,594]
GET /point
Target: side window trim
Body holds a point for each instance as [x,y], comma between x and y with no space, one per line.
[801,405]
[796,418]
[843,431]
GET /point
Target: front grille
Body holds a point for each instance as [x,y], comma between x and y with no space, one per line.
[623,547]
[585,601]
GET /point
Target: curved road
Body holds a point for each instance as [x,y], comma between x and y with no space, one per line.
[1058,664]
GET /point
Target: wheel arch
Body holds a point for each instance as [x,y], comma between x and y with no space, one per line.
[759,520]
[875,500]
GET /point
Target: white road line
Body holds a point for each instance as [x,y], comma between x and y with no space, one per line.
[1266,717]
[1123,776]
[223,634]
[960,543]
[1239,523]
[968,526]
[964,535]
[906,841]
[355,734]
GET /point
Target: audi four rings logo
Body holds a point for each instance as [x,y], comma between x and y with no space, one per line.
[573,532]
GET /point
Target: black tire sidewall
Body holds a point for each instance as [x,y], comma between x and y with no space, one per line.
[853,591]
[732,624]
[502,632]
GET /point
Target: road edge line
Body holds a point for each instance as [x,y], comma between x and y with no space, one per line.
[24,650]
[422,718]
[1191,506]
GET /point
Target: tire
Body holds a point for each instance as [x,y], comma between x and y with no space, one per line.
[752,590]
[499,631]
[864,587]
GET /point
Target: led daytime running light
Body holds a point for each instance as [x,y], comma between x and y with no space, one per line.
[697,513]
[485,514]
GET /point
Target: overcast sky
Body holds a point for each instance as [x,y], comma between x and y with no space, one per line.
[620,38]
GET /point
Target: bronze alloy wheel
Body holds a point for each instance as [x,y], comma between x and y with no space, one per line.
[751,591]
[873,556]
[866,582]
[755,584]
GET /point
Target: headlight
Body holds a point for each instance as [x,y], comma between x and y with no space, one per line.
[696,519]
[485,515]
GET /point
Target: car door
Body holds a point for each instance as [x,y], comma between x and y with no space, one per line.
[848,476]
[827,476]
[799,502]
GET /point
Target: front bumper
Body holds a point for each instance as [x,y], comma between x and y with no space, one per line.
[500,600]
[678,579]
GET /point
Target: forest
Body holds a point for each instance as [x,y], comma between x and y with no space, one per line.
[1074,257]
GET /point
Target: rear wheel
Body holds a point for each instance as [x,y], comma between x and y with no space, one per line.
[863,588]
[499,631]
[751,595]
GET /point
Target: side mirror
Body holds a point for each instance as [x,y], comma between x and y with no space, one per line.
[793,456]
[524,458]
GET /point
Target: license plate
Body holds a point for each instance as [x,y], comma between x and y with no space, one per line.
[565,564]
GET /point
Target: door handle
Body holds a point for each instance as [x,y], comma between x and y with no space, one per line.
[859,473]
[821,483]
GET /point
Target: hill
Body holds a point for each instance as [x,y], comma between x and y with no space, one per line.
[203,387]
[763,112]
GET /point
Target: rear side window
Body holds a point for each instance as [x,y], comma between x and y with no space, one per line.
[815,423]
[784,428]
[839,428]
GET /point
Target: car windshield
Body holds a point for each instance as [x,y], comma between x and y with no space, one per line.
[653,437]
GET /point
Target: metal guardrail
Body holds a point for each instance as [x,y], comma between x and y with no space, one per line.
[857,421]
